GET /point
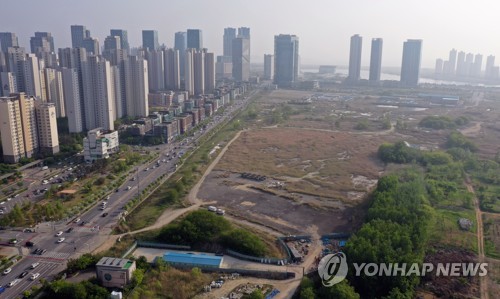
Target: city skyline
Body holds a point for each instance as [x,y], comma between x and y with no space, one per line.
[320,21]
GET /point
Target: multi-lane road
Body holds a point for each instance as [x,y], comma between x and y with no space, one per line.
[97,223]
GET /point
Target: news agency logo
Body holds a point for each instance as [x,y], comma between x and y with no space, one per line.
[332,269]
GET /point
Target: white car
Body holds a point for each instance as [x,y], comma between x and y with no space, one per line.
[7,271]
[77,220]
[128,187]
[34,265]
[212,209]
[34,276]
[14,282]
[59,233]
[61,240]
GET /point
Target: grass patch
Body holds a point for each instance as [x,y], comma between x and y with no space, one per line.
[491,227]
[445,229]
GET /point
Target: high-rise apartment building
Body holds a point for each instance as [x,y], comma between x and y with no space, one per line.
[123,35]
[31,75]
[172,69]
[156,70]
[8,40]
[268,66]
[199,72]
[410,68]
[194,39]
[72,99]
[476,68]
[98,94]
[54,90]
[452,63]
[137,86]
[286,59]
[78,34]
[112,42]
[490,67]
[18,128]
[150,40]
[438,69]
[355,58]
[229,35]
[46,121]
[209,72]
[189,71]
[461,65]
[241,58]
[224,67]
[376,59]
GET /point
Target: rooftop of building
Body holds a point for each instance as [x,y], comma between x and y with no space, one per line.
[193,259]
[114,262]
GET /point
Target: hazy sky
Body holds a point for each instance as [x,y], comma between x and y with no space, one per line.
[323,26]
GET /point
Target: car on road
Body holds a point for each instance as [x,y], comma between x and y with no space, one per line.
[69,229]
[7,271]
[34,276]
[77,220]
[22,275]
[212,209]
[146,169]
[14,282]
[61,240]
[83,223]
[29,244]
[42,251]
[13,241]
[105,214]
[59,233]
[34,265]
[128,187]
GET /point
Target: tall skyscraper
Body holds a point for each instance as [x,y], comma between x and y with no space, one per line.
[78,34]
[229,35]
[7,40]
[209,72]
[410,68]
[180,44]
[72,99]
[224,67]
[355,58]
[112,42]
[199,72]
[241,58]
[31,76]
[172,71]
[189,71]
[150,39]
[91,45]
[42,41]
[376,59]
[268,66]
[461,66]
[438,70]
[46,122]
[452,62]
[244,32]
[490,66]
[194,39]
[123,35]
[15,58]
[137,86]
[8,83]
[286,59]
[477,66]
[156,72]
[54,90]
[75,59]
[98,94]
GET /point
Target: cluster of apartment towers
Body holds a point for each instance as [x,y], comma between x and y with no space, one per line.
[460,66]
[93,87]
[410,68]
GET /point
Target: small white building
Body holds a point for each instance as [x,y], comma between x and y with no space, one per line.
[99,144]
[114,272]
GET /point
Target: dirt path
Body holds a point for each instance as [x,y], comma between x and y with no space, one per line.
[480,239]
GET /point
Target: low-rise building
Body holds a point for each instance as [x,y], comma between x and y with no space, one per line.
[115,272]
[99,144]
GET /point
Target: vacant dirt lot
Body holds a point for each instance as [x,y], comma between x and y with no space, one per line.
[313,178]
